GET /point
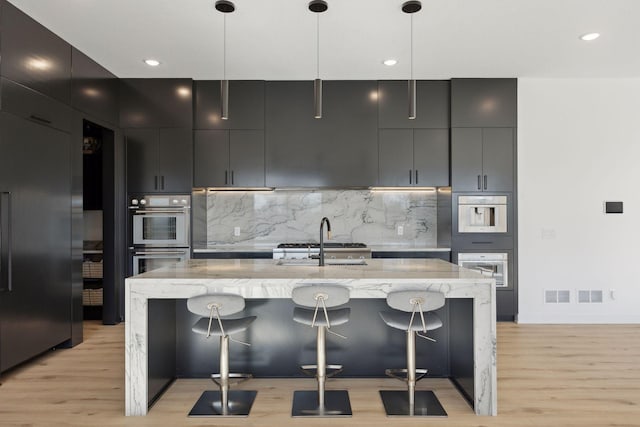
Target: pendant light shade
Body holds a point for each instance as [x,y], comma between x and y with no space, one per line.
[224,95]
[225,7]
[412,7]
[317,98]
[317,6]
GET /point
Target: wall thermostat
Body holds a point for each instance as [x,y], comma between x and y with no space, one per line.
[613,207]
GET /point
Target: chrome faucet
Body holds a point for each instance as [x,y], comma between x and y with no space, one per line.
[325,219]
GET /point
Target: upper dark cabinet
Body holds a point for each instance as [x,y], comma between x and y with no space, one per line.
[484,102]
[246,105]
[147,103]
[432,104]
[94,90]
[338,150]
[34,56]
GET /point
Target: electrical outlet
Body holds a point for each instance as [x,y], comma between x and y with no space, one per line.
[236,231]
[400,230]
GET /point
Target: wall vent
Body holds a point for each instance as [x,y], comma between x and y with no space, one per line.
[590,296]
[557,296]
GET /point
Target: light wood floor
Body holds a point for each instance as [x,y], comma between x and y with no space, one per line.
[548,375]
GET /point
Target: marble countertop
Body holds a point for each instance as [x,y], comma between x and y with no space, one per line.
[268,248]
[393,268]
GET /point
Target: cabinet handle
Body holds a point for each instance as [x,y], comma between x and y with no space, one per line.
[226,181]
[40,119]
[416,176]
[232,177]
[162,182]
[485,182]
[5,242]
[155,182]
[479,184]
[410,174]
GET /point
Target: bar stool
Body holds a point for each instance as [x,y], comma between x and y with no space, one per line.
[410,304]
[321,402]
[224,402]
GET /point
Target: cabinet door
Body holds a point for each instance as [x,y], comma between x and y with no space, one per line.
[246,105]
[94,90]
[431,157]
[466,159]
[395,157]
[175,157]
[432,104]
[246,158]
[149,103]
[484,102]
[211,158]
[142,160]
[497,159]
[36,313]
[34,56]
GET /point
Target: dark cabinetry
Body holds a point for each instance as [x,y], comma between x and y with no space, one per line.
[159,160]
[35,184]
[484,103]
[482,159]
[432,104]
[414,157]
[155,103]
[94,90]
[33,56]
[338,150]
[229,158]
[246,105]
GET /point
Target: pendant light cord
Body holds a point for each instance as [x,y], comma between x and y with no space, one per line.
[224,46]
[317,45]
[411,47]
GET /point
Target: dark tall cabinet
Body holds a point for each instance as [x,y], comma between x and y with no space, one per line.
[35,289]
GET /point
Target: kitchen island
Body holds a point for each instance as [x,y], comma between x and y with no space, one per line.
[265,279]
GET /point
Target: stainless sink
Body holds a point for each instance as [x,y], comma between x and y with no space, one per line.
[314,262]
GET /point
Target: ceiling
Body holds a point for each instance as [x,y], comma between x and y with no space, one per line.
[276,39]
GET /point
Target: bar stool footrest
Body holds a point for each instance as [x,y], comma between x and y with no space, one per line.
[236,378]
[393,373]
[426,404]
[306,404]
[311,370]
[210,405]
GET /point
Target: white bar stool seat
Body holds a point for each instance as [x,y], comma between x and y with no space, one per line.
[415,317]
[321,402]
[225,402]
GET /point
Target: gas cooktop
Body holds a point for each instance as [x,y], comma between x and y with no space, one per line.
[317,245]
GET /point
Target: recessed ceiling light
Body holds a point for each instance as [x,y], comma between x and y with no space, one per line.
[390,62]
[152,62]
[589,36]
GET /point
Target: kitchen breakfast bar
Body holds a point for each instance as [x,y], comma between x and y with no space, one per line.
[158,333]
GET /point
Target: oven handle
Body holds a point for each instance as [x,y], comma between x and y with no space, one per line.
[161,253]
[160,211]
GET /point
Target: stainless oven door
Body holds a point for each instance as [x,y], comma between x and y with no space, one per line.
[492,265]
[161,228]
[152,259]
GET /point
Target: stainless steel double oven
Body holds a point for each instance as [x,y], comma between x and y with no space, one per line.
[160,233]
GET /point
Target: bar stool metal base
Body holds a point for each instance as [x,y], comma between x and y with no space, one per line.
[210,404]
[306,404]
[396,404]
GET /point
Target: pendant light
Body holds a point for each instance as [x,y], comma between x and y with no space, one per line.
[317,6]
[412,7]
[225,7]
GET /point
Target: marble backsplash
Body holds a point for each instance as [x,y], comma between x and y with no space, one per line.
[268,218]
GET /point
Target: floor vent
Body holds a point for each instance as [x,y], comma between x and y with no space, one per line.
[589,296]
[557,296]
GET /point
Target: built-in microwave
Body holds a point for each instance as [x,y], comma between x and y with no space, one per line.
[482,214]
[494,265]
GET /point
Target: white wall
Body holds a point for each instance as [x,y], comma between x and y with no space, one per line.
[579,145]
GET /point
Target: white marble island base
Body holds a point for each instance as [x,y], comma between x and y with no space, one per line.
[259,279]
